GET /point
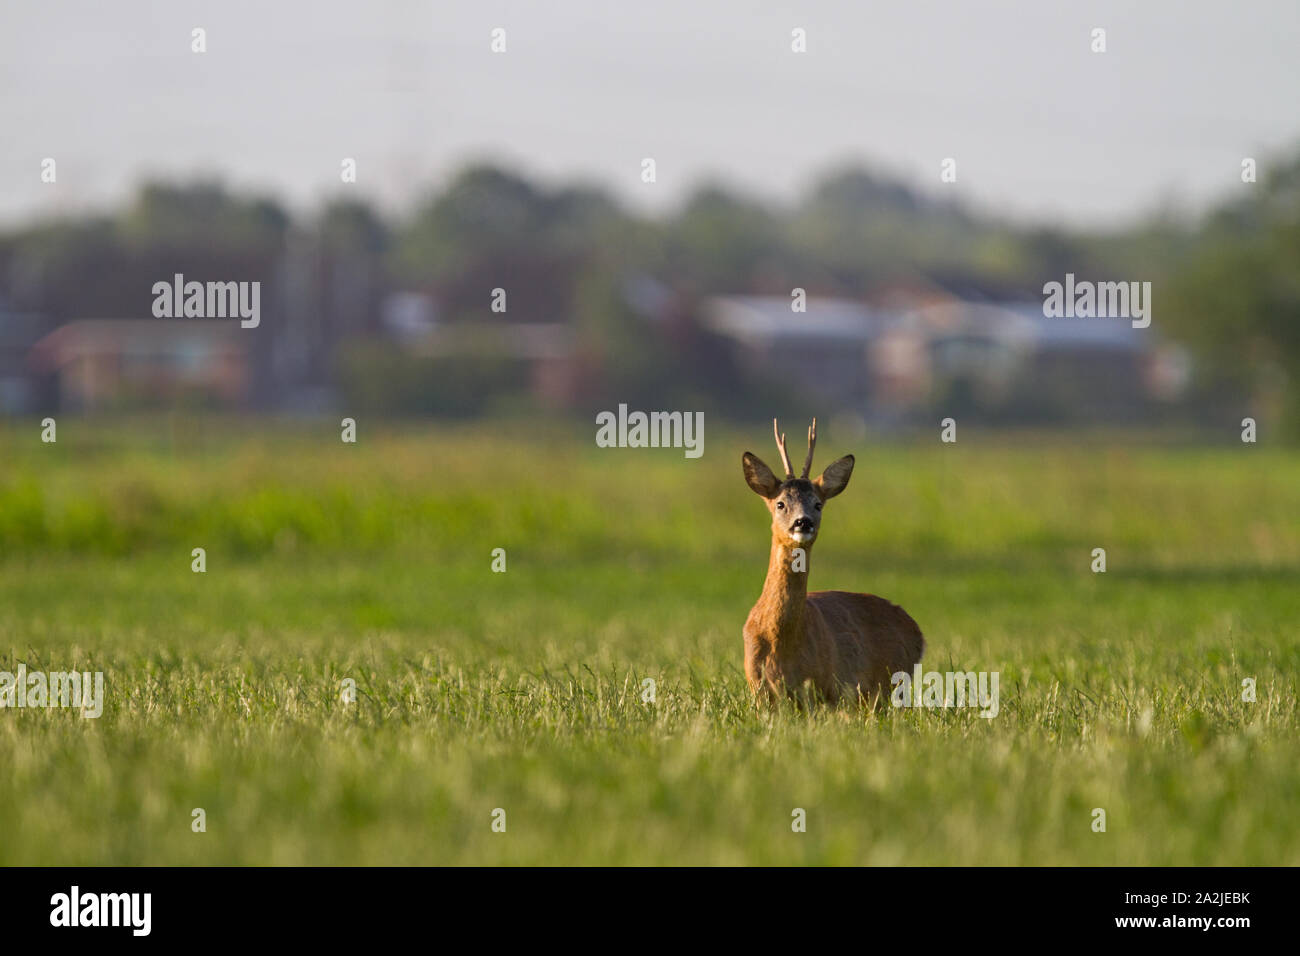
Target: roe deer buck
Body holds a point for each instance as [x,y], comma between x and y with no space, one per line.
[847,645]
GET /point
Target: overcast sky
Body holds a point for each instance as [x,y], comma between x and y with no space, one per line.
[1041,127]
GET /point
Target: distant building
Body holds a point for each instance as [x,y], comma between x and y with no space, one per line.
[925,347]
[98,364]
[975,351]
[409,316]
[825,351]
[1009,357]
[23,390]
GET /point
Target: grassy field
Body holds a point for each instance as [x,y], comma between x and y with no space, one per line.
[522,690]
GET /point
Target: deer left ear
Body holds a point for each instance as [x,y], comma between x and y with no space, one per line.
[835,478]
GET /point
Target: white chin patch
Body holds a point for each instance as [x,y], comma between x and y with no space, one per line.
[803,537]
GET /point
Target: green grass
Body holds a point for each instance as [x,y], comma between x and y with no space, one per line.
[522,690]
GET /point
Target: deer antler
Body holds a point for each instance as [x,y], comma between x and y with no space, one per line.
[780,444]
[812,443]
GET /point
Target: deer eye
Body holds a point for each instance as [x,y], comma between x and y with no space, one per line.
[781,505]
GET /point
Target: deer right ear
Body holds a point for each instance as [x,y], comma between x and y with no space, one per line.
[759,476]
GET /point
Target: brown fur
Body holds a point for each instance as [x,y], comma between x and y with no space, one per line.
[835,644]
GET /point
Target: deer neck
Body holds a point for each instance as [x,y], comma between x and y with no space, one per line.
[779,614]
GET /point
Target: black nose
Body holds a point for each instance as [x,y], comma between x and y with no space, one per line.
[802,524]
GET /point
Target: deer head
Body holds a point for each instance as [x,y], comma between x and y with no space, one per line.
[796,503]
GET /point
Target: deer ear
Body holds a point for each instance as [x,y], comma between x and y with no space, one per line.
[759,476]
[835,478]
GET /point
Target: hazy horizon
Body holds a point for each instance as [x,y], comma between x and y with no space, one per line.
[1042,129]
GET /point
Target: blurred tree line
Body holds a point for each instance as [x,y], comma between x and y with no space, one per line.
[1226,284]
